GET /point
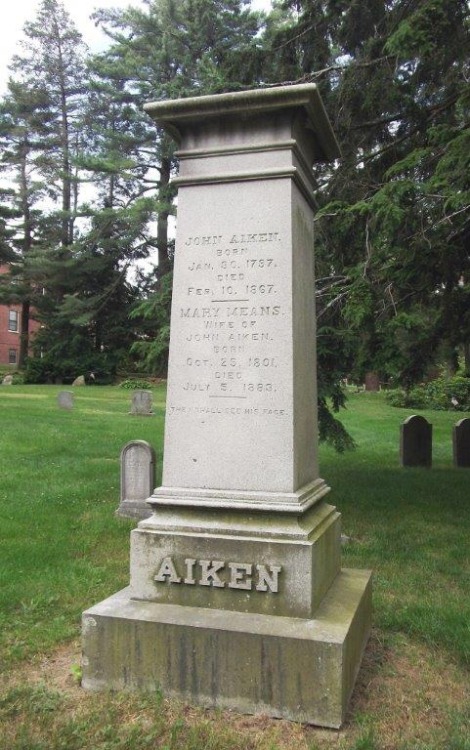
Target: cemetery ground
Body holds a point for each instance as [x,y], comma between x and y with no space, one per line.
[62,550]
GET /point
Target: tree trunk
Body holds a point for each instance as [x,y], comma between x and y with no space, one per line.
[27,245]
[24,334]
[164,265]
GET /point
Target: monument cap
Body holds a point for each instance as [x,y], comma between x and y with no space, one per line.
[174,115]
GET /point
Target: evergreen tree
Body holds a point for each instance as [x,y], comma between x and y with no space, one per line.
[172,49]
[93,334]
[23,121]
[42,136]
[393,230]
[7,254]
[53,58]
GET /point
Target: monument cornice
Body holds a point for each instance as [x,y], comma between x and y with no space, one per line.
[267,174]
[287,502]
[302,174]
[201,153]
[174,115]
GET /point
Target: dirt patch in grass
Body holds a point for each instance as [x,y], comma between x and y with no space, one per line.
[408,692]
[407,696]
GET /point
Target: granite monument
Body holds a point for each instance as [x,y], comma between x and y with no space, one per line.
[237,598]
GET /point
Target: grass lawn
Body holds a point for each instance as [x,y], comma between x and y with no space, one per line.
[62,550]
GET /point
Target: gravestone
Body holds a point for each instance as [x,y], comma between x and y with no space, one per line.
[142,403]
[416,442]
[7,380]
[372,382]
[237,598]
[461,443]
[65,400]
[79,381]
[137,479]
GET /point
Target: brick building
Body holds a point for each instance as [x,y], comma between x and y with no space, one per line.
[10,331]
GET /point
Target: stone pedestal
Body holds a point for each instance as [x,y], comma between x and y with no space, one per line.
[237,597]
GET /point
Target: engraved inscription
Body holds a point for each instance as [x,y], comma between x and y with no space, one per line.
[220,574]
[231,316]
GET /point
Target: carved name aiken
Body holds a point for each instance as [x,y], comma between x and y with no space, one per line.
[220,574]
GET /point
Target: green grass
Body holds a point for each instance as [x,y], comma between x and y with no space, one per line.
[411,526]
[62,549]
[60,544]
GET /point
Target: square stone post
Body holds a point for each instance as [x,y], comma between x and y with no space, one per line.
[236,597]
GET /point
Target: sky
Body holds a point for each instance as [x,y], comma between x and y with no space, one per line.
[17,12]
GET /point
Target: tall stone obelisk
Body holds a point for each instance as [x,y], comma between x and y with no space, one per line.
[237,597]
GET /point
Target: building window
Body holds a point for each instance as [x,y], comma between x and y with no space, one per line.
[12,320]
[12,357]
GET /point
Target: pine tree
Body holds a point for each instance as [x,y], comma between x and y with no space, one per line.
[392,239]
[52,58]
[174,49]
[7,254]
[42,135]
[23,120]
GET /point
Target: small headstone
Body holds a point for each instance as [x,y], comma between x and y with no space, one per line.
[142,403]
[372,382]
[79,381]
[461,443]
[416,442]
[7,380]
[65,400]
[137,479]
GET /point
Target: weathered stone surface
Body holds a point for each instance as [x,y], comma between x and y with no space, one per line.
[304,551]
[461,443]
[80,381]
[142,403]
[237,598]
[7,380]
[240,372]
[416,442]
[65,400]
[138,464]
[292,668]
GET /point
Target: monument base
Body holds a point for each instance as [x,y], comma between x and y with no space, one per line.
[291,668]
[304,549]
[137,510]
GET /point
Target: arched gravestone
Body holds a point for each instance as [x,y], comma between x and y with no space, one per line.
[137,479]
[65,400]
[416,442]
[142,403]
[372,382]
[461,443]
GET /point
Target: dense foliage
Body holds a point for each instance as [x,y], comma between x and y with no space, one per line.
[442,394]
[394,223]
[89,193]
